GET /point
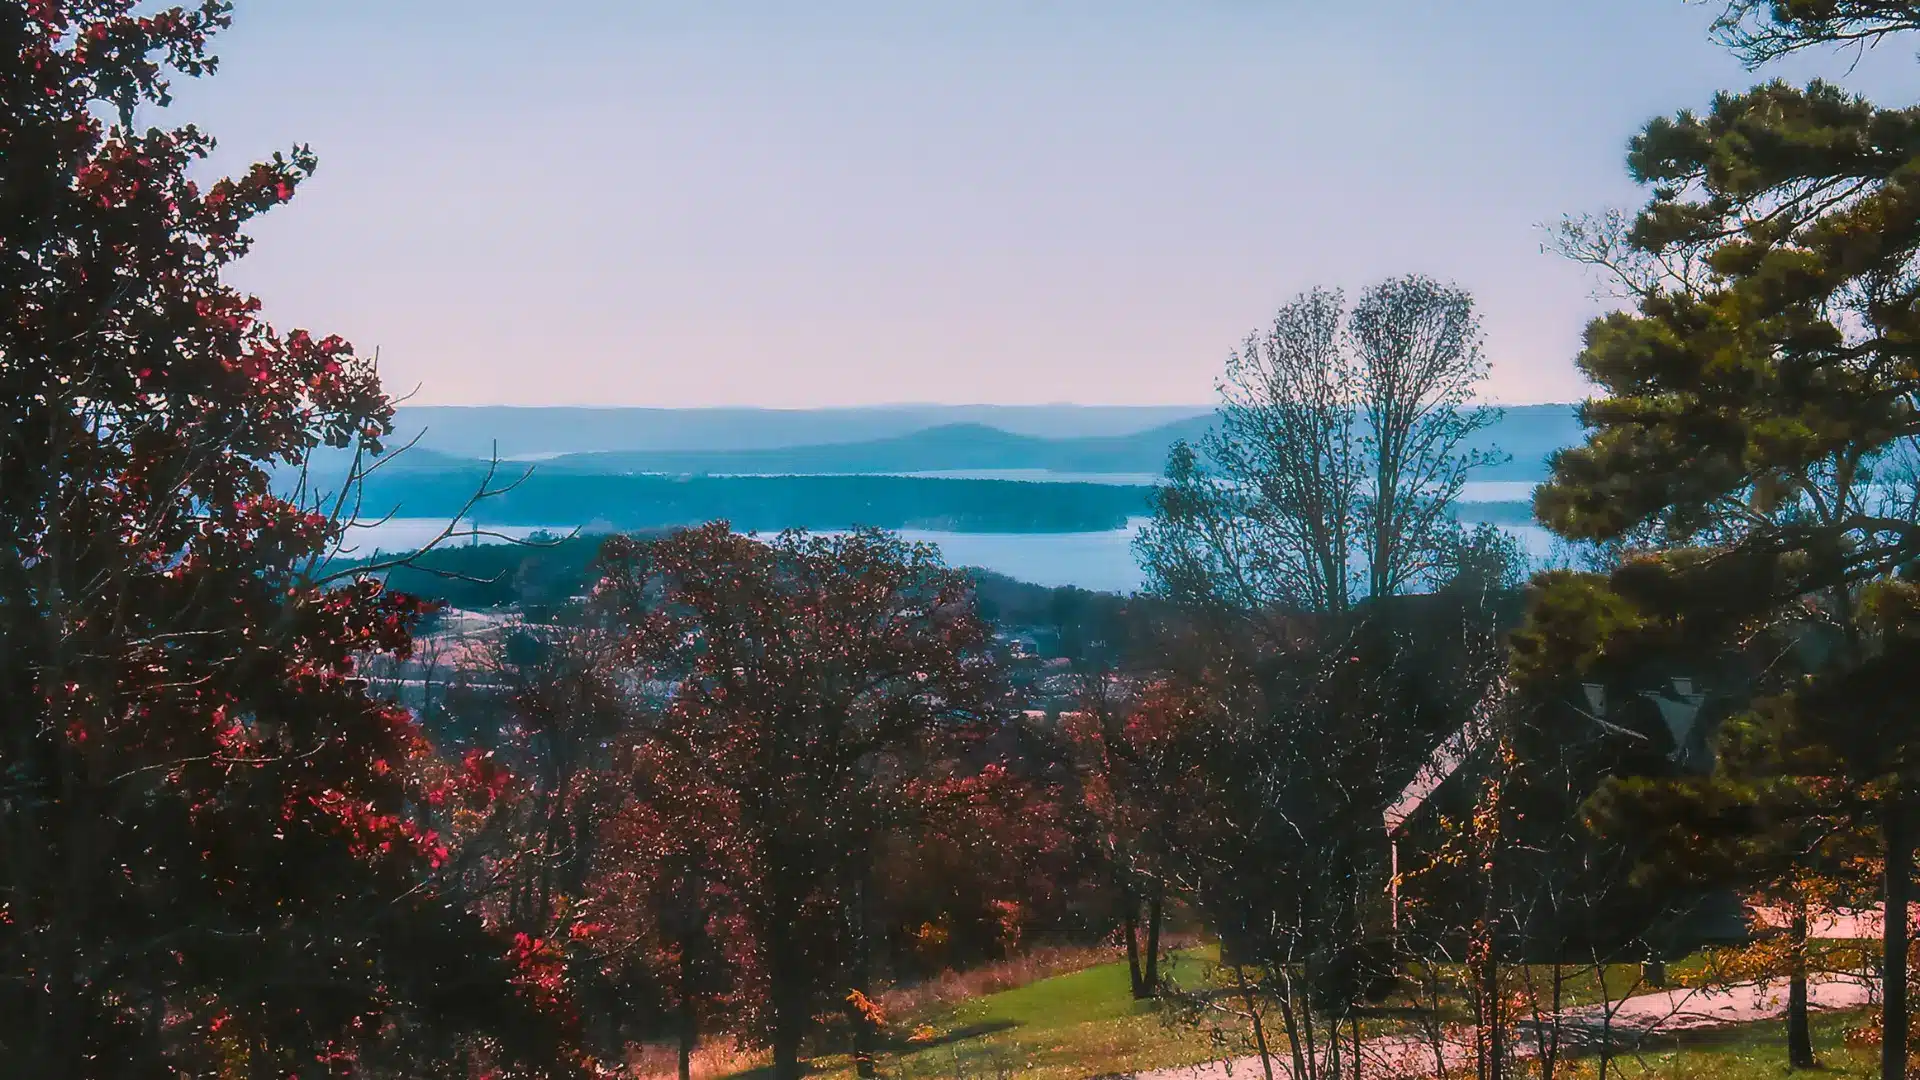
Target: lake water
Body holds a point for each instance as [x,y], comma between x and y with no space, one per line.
[1101,561]
[1479,491]
[1475,491]
[411,534]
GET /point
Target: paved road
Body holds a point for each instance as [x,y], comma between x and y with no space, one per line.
[1411,1057]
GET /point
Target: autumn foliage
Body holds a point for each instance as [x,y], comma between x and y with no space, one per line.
[218,853]
[745,789]
[816,702]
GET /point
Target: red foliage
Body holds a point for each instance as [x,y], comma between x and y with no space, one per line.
[804,683]
[210,827]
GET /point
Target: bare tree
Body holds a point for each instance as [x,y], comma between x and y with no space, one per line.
[1342,443]
[1343,438]
[1418,361]
[1266,520]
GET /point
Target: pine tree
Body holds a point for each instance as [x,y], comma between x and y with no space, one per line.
[1759,417]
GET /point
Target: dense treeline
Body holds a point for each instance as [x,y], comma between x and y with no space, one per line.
[541,576]
[550,498]
[267,812]
[553,498]
[1529,433]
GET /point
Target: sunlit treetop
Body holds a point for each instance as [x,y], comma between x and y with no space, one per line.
[1762,30]
[1768,397]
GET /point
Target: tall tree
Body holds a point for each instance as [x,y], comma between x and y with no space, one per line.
[1133,752]
[1756,408]
[811,680]
[1420,361]
[1343,439]
[216,850]
[1342,442]
[1762,30]
[1704,799]
[1262,514]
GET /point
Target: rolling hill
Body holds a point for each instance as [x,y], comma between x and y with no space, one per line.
[536,432]
[948,448]
[1528,434]
[830,485]
[559,499]
[1068,439]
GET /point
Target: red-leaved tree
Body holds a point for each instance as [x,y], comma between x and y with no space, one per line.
[218,854]
[800,685]
[1136,755]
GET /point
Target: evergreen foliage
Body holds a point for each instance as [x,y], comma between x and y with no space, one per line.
[1753,445]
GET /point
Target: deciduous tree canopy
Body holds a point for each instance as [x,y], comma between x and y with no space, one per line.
[215,847]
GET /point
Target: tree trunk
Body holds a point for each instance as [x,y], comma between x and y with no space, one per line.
[1492,1042]
[686,919]
[787,993]
[1492,1039]
[1253,1015]
[1131,923]
[1355,1019]
[1294,1041]
[1154,905]
[787,1032]
[1313,1050]
[1607,1010]
[689,1017]
[1550,1059]
[1898,831]
[1799,1034]
[1333,1066]
[864,1048]
[1496,1040]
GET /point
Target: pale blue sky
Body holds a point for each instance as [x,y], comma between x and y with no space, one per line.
[832,202]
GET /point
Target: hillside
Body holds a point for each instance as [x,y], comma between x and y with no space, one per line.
[550,569]
[562,499]
[836,485]
[950,447]
[475,431]
[1528,434]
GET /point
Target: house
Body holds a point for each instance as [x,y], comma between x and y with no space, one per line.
[1667,720]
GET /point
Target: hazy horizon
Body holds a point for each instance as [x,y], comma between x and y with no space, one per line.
[855,203]
[1198,406]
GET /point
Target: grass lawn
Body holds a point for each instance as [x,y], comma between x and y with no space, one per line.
[1746,1051]
[1086,1024]
[1062,1028]
[1587,985]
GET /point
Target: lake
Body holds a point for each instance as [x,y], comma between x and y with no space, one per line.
[411,534]
[1101,561]
[1475,491]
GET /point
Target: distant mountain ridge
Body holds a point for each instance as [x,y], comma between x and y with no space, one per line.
[1528,434]
[562,500]
[547,431]
[1083,483]
[947,448]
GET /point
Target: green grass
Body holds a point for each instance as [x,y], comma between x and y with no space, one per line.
[1587,985]
[1087,1024]
[1745,1052]
[1063,1028]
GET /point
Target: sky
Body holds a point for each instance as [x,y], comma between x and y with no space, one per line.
[851,202]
